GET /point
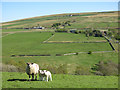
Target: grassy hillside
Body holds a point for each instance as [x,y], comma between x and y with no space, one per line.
[31,43]
[69,71]
[20,80]
[78,20]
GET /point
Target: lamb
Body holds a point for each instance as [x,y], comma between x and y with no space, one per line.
[32,69]
[45,75]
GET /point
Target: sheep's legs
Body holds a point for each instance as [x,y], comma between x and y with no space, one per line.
[29,77]
[39,78]
[51,77]
[32,76]
[47,79]
[36,77]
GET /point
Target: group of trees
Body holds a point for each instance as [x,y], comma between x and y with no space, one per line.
[63,24]
[117,36]
[113,33]
[61,30]
[95,33]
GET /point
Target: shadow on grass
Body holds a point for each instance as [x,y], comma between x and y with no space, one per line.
[21,80]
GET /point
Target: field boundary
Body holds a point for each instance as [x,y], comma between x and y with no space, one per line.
[87,52]
[7,35]
[112,46]
[48,39]
[74,41]
[59,54]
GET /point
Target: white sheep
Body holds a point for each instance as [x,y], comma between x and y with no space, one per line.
[45,75]
[32,69]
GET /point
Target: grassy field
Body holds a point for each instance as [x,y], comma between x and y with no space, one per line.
[31,43]
[20,80]
[38,49]
[24,30]
[84,60]
[23,41]
[13,30]
[74,37]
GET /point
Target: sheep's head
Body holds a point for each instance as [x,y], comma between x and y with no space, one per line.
[28,63]
[41,72]
[45,71]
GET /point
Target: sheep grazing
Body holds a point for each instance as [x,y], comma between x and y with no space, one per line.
[32,69]
[45,75]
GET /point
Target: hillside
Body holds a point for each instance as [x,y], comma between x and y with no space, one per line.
[77,20]
[79,49]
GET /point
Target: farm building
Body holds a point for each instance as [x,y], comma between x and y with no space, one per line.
[106,30]
[39,27]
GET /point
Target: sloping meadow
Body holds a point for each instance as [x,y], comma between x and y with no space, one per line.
[20,48]
[31,43]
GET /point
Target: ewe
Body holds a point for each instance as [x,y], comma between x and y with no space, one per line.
[32,69]
[45,75]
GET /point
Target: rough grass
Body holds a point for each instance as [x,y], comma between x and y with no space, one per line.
[19,80]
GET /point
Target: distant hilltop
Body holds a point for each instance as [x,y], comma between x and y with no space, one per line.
[76,20]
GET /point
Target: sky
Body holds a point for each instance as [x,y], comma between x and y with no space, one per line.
[19,10]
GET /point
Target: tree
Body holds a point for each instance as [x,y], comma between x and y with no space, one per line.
[110,34]
[76,32]
[56,25]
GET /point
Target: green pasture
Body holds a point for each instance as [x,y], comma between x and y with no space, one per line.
[20,80]
[72,60]
[14,30]
[74,37]
[31,43]
[4,31]
[51,48]
[4,34]
[23,41]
